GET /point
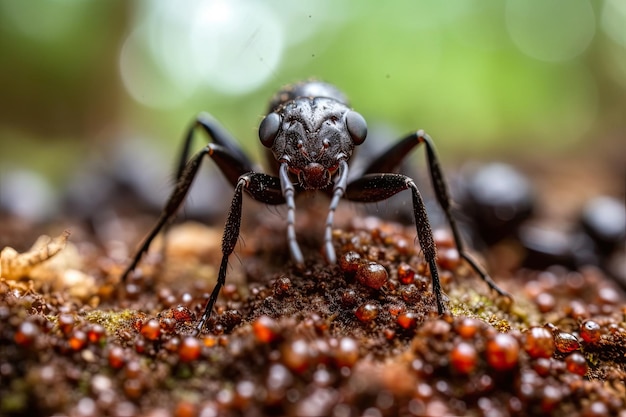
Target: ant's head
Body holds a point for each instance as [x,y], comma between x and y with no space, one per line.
[311,136]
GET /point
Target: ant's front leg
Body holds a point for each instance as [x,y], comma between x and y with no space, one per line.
[261,187]
[377,187]
[338,191]
[288,191]
[389,160]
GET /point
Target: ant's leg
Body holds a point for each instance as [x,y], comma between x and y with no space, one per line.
[443,196]
[261,187]
[378,187]
[390,159]
[288,192]
[219,136]
[338,191]
[229,164]
[231,233]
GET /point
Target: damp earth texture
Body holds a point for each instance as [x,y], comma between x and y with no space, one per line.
[361,337]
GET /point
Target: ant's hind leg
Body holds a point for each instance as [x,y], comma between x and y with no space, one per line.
[443,197]
[225,144]
[218,135]
[230,165]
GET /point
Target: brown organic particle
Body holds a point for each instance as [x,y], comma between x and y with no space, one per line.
[14,265]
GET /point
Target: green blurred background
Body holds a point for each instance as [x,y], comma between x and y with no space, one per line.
[487,79]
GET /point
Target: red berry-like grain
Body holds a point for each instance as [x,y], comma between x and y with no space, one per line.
[78,340]
[95,333]
[372,274]
[467,328]
[349,262]
[566,342]
[66,323]
[26,333]
[182,314]
[265,329]
[576,364]
[464,358]
[347,352]
[151,329]
[189,349]
[367,312]
[116,357]
[539,343]
[297,355]
[590,332]
[407,320]
[502,352]
[406,274]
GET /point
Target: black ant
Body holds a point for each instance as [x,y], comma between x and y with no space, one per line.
[311,133]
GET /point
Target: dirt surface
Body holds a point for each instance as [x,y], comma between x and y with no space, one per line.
[358,338]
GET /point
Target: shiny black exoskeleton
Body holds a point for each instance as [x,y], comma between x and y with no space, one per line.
[497,199]
[499,204]
[311,133]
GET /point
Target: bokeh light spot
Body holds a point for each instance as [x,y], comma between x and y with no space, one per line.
[229,46]
[550,30]
[144,79]
[613,18]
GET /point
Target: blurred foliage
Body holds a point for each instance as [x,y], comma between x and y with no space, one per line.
[480,76]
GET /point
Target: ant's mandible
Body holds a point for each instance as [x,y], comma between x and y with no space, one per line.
[311,133]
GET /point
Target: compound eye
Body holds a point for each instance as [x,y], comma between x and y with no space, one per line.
[357,127]
[269,129]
